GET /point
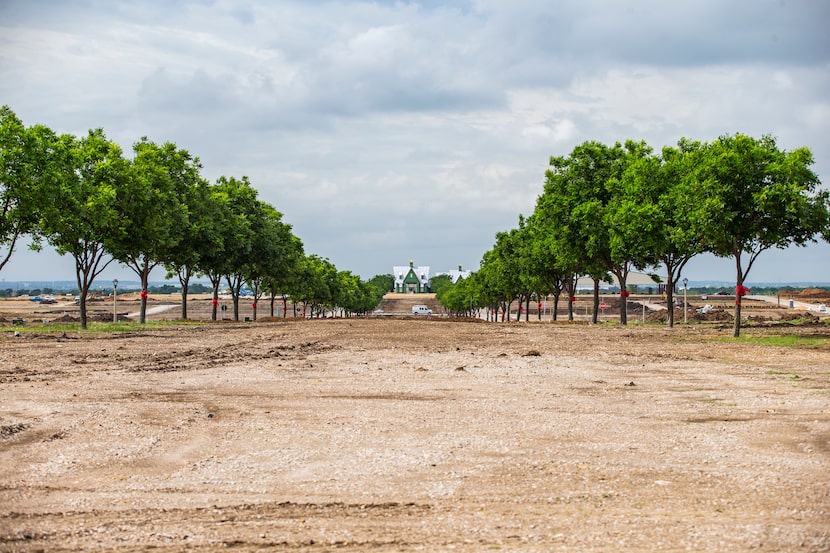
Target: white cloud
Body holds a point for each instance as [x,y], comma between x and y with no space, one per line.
[385,131]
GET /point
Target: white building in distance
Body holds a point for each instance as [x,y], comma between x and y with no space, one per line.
[456,274]
[411,280]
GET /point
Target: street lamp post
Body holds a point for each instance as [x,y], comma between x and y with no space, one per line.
[114,299]
[685,288]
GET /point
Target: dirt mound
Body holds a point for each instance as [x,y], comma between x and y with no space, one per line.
[714,315]
[692,315]
[814,293]
[105,317]
[798,316]
[663,316]
[66,318]
[759,319]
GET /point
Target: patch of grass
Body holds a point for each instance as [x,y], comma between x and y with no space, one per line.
[806,321]
[792,374]
[786,341]
[92,327]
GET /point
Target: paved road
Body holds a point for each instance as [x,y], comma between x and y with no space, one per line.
[154,310]
[802,305]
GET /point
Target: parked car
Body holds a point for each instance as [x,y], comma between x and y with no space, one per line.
[421,310]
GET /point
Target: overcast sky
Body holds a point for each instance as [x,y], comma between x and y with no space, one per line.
[385,131]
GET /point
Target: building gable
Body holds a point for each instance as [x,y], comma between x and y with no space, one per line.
[411,280]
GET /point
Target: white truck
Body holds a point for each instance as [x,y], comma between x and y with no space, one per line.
[421,310]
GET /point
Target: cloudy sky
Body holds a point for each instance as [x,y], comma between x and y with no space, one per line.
[385,131]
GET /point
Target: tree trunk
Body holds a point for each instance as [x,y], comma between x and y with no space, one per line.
[83,291]
[142,268]
[184,280]
[670,298]
[555,307]
[185,287]
[595,314]
[214,281]
[256,284]
[570,288]
[737,326]
[82,306]
[740,291]
[623,302]
[235,284]
[145,278]
[10,245]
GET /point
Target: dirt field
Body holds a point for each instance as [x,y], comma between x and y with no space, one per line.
[414,435]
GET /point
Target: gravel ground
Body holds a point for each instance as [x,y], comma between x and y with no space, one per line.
[414,435]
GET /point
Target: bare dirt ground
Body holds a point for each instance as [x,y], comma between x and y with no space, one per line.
[414,435]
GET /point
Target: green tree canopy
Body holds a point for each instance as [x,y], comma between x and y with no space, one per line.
[152,204]
[23,164]
[81,214]
[756,197]
[199,240]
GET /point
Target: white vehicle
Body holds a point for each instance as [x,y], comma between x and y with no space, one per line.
[421,310]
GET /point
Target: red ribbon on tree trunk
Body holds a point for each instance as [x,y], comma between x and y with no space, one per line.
[253,305]
[624,293]
[144,294]
[740,291]
[215,302]
[572,298]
